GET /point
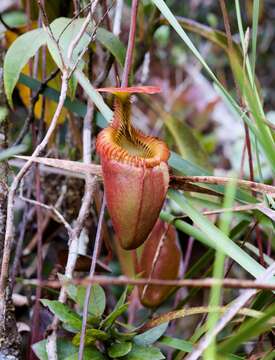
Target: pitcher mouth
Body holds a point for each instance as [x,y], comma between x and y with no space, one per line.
[138,150]
[124,143]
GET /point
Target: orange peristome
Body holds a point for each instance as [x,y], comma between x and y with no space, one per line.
[148,152]
[135,175]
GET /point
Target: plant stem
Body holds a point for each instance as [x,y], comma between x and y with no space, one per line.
[131,45]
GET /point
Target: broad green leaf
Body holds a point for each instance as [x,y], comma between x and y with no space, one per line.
[150,336]
[97,300]
[15,18]
[64,349]
[89,353]
[65,30]
[123,337]
[18,54]
[175,343]
[216,237]
[71,289]
[91,336]
[64,313]
[144,353]
[118,350]
[111,318]
[12,151]
[112,44]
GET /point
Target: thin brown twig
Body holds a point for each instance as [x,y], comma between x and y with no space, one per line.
[216,180]
[123,280]
[175,181]
[52,209]
[177,314]
[247,207]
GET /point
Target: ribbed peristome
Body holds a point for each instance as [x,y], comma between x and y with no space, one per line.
[122,142]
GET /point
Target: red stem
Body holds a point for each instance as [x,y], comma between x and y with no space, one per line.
[131,45]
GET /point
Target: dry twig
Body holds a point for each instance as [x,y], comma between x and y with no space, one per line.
[123,280]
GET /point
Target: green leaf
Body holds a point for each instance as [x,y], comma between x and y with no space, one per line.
[91,335]
[65,31]
[3,113]
[64,313]
[150,336]
[89,353]
[15,18]
[64,349]
[12,151]
[18,54]
[97,300]
[178,344]
[144,353]
[216,237]
[123,296]
[249,329]
[119,349]
[71,289]
[122,336]
[112,44]
[111,318]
